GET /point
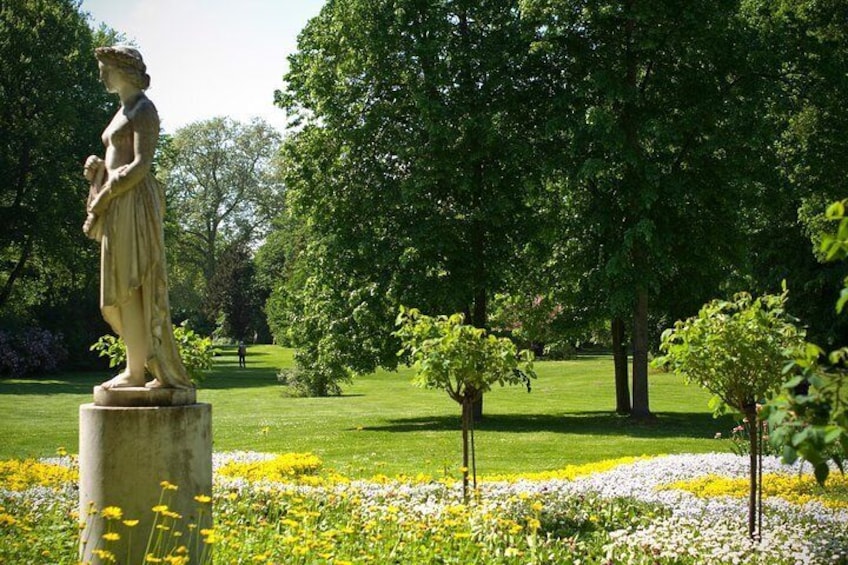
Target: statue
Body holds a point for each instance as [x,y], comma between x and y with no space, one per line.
[126,207]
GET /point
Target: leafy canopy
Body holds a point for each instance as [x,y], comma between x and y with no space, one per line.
[810,417]
[462,360]
[735,348]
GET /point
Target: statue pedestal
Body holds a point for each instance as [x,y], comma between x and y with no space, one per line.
[131,440]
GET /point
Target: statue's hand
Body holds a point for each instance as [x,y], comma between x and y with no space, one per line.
[92,165]
[101,202]
[89,223]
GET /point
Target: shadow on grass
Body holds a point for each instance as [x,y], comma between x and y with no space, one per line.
[230,375]
[232,351]
[76,383]
[666,424]
[223,376]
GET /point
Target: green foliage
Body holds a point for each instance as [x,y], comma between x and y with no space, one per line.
[802,49]
[411,173]
[112,348]
[53,110]
[196,351]
[810,418]
[735,348]
[234,293]
[658,138]
[462,360]
[222,189]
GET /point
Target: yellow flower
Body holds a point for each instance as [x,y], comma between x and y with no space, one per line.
[203,499]
[112,536]
[112,513]
[159,508]
[152,559]
[61,452]
[536,506]
[105,555]
[168,486]
[130,523]
[7,520]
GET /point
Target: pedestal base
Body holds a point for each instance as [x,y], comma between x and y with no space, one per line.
[125,454]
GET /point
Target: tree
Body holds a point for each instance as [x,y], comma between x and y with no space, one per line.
[805,54]
[52,110]
[234,292]
[658,138]
[220,182]
[810,418]
[411,176]
[463,361]
[736,349]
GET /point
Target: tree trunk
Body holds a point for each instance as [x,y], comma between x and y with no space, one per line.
[479,318]
[6,291]
[753,428]
[619,353]
[467,409]
[641,408]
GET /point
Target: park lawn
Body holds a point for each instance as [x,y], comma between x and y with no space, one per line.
[382,424]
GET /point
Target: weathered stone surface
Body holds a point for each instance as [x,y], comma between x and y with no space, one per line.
[125,454]
[129,397]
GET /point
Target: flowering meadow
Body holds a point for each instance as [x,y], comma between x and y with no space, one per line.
[287,508]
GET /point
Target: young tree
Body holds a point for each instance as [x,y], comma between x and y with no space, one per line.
[463,361]
[737,350]
[411,176]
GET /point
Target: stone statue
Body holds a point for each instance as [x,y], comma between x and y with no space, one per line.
[125,213]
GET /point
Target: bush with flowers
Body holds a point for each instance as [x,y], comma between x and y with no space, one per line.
[30,351]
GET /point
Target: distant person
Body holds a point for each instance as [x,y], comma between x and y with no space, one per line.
[242,353]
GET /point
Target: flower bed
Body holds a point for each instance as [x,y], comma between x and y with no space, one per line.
[287,509]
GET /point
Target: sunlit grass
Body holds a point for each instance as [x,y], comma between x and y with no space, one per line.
[383,424]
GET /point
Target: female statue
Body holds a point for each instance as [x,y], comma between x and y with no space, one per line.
[125,213]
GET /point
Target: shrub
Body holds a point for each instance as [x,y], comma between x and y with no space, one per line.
[31,351]
[309,382]
[195,350]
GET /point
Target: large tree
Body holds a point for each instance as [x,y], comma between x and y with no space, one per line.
[52,110]
[222,188]
[411,174]
[660,132]
[806,57]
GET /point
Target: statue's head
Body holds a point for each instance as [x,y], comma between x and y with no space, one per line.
[127,61]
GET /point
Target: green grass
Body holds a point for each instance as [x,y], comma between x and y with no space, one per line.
[383,424]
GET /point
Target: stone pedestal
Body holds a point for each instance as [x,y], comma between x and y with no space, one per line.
[131,440]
